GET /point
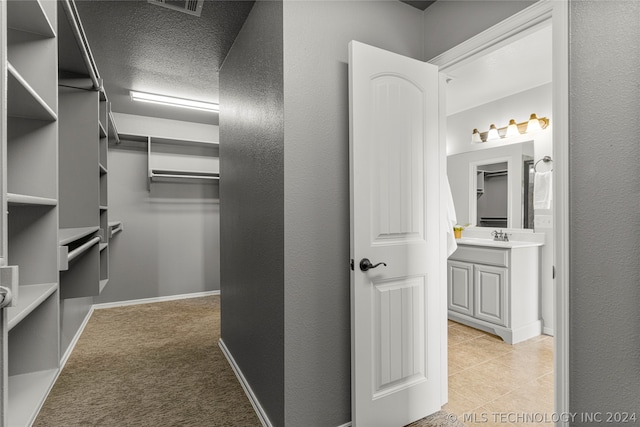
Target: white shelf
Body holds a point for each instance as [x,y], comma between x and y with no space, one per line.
[29,298]
[24,101]
[103,170]
[104,207]
[69,235]
[103,131]
[27,393]
[29,16]
[113,130]
[23,199]
[165,140]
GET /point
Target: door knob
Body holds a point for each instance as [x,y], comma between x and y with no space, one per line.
[365,264]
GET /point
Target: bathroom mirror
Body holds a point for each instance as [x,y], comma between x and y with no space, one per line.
[493,187]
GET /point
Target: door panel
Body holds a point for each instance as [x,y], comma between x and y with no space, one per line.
[398,338]
[395,216]
[460,287]
[396,168]
[490,290]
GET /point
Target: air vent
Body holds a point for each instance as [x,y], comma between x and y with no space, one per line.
[192,7]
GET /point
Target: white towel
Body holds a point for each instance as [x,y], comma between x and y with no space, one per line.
[450,219]
[542,190]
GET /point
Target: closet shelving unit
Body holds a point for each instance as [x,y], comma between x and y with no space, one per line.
[103,128]
[31,195]
[84,129]
[177,159]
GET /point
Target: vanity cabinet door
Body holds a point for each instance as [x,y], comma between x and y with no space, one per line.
[490,292]
[460,287]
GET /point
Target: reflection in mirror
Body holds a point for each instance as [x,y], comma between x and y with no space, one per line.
[492,195]
[493,187]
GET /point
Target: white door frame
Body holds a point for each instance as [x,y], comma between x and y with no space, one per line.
[521,24]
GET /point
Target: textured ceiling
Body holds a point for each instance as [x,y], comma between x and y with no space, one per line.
[144,47]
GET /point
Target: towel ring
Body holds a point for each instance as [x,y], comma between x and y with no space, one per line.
[545,159]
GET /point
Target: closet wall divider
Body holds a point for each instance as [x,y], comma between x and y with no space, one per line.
[54,226]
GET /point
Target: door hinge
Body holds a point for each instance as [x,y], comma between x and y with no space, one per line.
[352,265]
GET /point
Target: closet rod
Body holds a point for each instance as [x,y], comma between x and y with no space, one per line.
[82,248]
[81,39]
[161,175]
[164,175]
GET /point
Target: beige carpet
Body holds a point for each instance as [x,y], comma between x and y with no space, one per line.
[156,365]
[149,365]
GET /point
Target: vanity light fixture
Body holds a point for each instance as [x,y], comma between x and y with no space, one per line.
[493,133]
[512,129]
[475,136]
[534,124]
[174,102]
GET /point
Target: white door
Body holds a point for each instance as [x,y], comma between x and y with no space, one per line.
[395,217]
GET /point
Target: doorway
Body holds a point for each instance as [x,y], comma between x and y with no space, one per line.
[516,27]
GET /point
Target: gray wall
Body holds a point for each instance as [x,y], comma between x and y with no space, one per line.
[447,23]
[604,193]
[317,320]
[252,205]
[170,243]
[604,182]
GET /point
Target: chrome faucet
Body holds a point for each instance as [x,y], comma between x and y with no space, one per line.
[500,236]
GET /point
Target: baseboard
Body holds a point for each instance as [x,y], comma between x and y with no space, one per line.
[74,341]
[346,425]
[152,300]
[547,331]
[262,416]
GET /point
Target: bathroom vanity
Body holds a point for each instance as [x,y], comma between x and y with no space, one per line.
[494,286]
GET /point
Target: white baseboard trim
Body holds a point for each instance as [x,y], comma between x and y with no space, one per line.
[346,425]
[547,331]
[152,300]
[262,416]
[74,341]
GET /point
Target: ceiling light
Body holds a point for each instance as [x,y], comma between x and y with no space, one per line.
[512,129]
[475,136]
[174,102]
[493,133]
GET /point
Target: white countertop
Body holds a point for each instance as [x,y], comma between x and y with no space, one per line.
[496,244]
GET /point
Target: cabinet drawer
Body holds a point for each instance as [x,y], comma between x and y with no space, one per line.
[480,255]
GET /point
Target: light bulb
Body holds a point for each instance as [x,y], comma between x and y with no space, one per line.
[493,133]
[475,136]
[534,124]
[512,129]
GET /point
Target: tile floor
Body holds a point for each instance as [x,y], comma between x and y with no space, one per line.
[497,384]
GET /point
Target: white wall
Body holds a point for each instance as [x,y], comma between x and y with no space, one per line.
[170,243]
[518,107]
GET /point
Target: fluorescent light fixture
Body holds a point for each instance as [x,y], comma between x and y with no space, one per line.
[174,102]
